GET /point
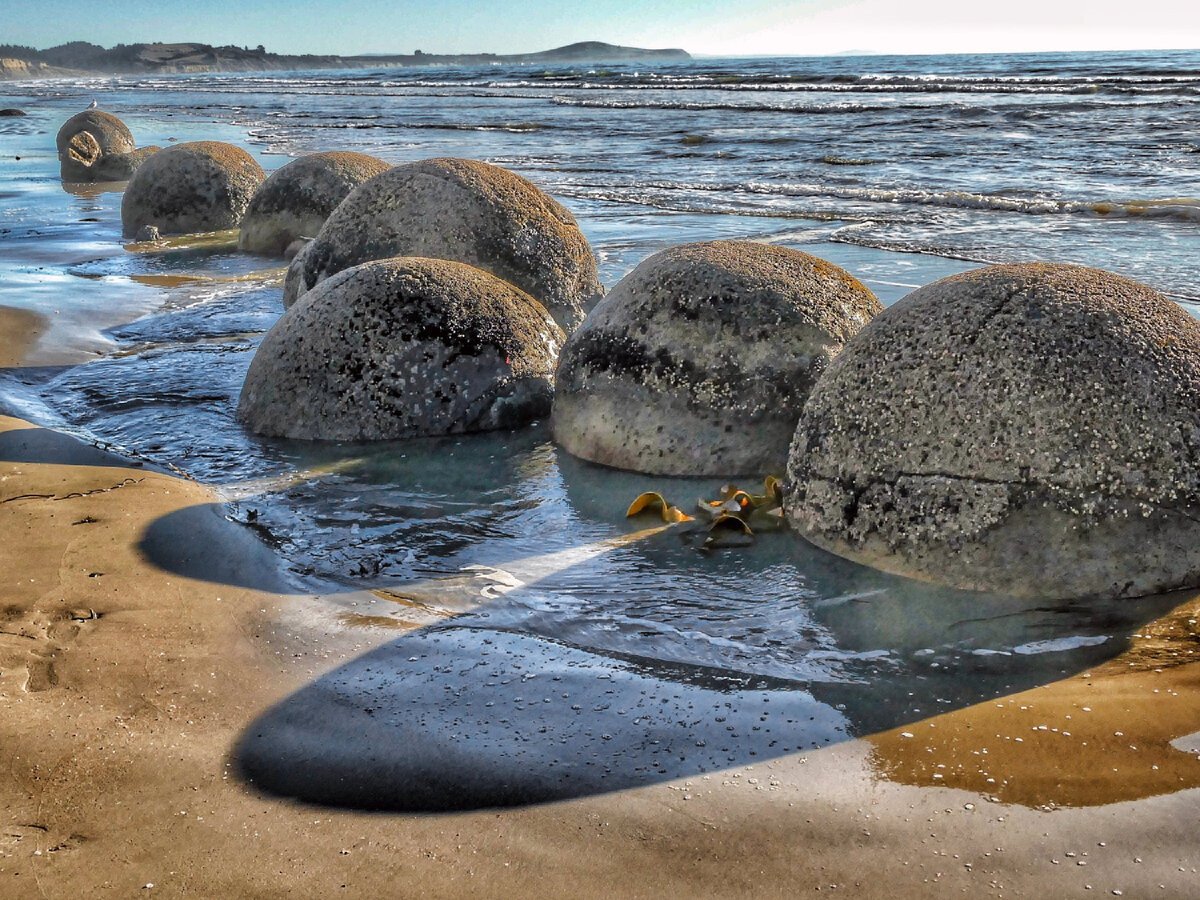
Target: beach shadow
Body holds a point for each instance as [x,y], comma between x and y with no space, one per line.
[197,542]
[466,716]
[43,445]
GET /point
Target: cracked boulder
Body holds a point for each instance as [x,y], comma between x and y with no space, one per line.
[189,188]
[470,212]
[698,362]
[401,348]
[1025,429]
[295,200]
[97,146]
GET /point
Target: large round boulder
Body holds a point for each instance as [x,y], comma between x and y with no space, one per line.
[109,132]
[1025,429]
[191,187]
[402,348]
[297,199]
[88,139]
[699,361]
[467,211]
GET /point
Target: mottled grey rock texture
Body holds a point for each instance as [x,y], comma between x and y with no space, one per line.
[402,348]
[1026,429]
[192,187]
[96,146]
[296,199]
[293,282]
[467,211]
[699,361]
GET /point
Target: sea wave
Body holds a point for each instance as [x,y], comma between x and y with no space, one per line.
[1185,209]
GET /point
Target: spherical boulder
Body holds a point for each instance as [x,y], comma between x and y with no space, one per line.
[1025,429]
[467,211]
[401,348]
[88,138]
[296,199]
[191,187]
[699,360]
[293,282]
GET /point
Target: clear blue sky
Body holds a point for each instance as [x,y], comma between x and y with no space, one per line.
[786,27]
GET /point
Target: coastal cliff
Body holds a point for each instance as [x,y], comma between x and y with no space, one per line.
[83,58]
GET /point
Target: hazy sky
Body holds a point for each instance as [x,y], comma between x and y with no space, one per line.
[712,27]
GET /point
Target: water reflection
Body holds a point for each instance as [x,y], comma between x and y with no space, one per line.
[1123,730]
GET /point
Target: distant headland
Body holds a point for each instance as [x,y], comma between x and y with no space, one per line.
[83,58]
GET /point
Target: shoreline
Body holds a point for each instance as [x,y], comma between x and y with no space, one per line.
[126,685]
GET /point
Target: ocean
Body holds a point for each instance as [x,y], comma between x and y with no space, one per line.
[900,169]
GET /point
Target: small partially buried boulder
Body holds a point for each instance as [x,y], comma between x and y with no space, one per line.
[191,187]
[470,212]
[297,199]
[12,112]
[97,146]
[402,348]
[698,361]
[1026,429]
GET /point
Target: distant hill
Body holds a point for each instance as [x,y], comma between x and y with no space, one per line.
[81,57]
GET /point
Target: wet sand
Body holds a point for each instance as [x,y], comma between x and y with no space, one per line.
[19,329]
[124,686]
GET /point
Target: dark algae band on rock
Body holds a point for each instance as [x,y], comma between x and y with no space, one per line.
[1027,429]
[403,348]
[699,361]
[467,211]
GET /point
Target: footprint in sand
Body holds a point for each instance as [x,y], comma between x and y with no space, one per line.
[30,641]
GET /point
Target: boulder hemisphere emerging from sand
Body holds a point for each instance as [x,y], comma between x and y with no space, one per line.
[466,211]
[1025,429]
[402,348]
[699,361]
[189,188]
[296,199]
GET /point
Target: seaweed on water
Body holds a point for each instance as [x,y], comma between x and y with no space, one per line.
[731,520]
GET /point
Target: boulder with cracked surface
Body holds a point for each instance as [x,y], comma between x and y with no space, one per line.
[1027,429]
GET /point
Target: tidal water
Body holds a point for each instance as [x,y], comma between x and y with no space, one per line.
[900,169]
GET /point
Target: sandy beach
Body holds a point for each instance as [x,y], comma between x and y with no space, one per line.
[125,685]
[19,329]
